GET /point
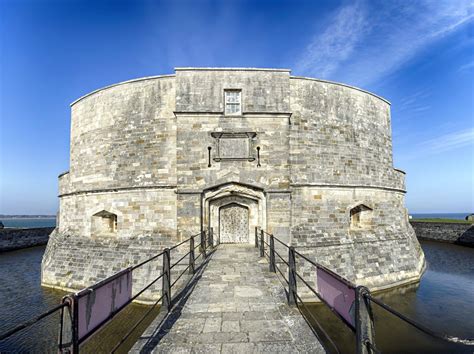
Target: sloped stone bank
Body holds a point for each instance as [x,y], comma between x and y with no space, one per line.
[14,239]
[462,234]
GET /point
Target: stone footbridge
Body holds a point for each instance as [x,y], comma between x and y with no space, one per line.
[235,306]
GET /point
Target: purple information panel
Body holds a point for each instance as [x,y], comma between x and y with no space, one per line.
[96,306]
[337,294]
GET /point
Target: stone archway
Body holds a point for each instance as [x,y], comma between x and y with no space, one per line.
[233,199]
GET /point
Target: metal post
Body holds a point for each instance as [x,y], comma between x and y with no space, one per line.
[67,340]
[272,254]
[203,244]
[74,324]
[191,256]
[166,285]
[365,333]
[262,245]
[211,237]
[291,276]
[256,236]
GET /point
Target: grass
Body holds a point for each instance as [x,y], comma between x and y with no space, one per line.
[454,221]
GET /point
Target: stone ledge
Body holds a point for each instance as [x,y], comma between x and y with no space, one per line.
[15,239]
[461,234]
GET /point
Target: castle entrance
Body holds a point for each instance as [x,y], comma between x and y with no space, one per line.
[234,224]
[233,211]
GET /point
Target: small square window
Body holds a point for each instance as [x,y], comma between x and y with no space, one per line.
[233,101]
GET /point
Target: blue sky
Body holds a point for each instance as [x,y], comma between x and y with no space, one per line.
[417,54]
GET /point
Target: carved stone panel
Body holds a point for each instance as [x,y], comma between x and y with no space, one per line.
[234,145]
[234,148]
[234,224]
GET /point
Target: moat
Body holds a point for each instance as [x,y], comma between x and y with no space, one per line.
[442,300]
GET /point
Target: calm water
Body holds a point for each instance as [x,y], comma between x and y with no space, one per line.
[458,216]
[28,222]
[22,297]
[443,300]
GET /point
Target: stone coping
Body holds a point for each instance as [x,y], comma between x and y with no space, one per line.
[121,83]
[341,84]
[227,69]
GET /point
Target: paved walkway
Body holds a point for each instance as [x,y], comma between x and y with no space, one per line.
[237,306]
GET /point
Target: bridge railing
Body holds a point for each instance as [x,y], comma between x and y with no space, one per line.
[349,302]
[83,313]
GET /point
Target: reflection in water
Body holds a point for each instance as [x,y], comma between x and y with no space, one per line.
[22,297]
[442,301]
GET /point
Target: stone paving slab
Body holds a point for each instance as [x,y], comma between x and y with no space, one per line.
[237,306]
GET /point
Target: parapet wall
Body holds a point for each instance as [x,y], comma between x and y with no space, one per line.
[340,136]
[123,137]
[71,262]
[14,239]
[462,234]
[380,254]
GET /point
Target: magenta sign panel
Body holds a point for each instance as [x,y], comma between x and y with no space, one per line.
[337,295]
[96,306]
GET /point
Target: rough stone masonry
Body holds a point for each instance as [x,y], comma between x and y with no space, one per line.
[157,159]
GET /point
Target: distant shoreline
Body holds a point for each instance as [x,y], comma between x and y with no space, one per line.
[27,217]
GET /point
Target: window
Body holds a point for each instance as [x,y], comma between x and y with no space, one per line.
[361,217]
[233,101]
[104,223]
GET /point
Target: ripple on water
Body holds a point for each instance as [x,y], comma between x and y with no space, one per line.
[442,301]
[22,298]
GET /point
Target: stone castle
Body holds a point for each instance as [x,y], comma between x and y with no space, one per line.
[157,159]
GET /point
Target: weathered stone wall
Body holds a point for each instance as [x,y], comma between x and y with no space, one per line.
[340,136]
[74,262]
[462,234]
[139,150]
[263,90]
[13,239]
[199,106]
[377,255]
[341,157]
[124,136]
[139,212]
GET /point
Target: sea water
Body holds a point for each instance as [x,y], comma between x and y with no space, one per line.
[28,222]
[457,216]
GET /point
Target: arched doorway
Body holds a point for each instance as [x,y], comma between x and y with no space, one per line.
[234,223]
[232,207]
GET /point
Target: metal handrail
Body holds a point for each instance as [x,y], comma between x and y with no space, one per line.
[324,301]
[367,340]
[319,325]
[165,275]
[71,300]
[136,325]
[184,241]
[180,260]
[345,281]
[278,240]
[419,326]
[286,280]
[180,275]
[32,321]
[147,260]
[284,261]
